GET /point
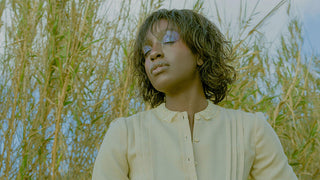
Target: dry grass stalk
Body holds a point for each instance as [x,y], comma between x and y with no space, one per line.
[65,77]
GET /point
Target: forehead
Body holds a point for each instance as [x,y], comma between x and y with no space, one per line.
[158,28]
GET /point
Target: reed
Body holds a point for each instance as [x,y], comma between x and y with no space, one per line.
[65,76]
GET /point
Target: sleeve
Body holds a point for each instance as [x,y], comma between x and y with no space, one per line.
[270,160]
[111,162]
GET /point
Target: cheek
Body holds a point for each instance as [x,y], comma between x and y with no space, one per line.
[147,68]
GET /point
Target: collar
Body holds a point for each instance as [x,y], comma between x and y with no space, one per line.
[167,115]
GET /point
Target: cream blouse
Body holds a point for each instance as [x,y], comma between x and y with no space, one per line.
[226,144]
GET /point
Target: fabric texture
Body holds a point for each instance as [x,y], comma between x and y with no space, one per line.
[226,144]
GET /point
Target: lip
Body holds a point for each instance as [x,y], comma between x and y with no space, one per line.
[158,67]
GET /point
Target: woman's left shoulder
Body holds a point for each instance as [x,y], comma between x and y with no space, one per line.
[243,115]
[249,121]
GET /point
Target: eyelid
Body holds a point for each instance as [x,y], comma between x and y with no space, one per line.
[146,49]
[170,36]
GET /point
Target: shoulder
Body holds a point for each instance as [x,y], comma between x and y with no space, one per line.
[250,122]
[135,121]
[254,125]
[250,117]
[140,116]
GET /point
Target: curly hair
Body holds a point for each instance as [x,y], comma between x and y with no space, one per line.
[204,40]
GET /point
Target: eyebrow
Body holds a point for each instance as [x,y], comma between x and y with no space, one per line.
[147,41]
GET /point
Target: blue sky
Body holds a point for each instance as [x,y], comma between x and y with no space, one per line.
[308,11]
[311,28]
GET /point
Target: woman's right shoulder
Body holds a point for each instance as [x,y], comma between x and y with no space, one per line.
[134,119]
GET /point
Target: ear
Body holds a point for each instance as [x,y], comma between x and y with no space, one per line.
[199,61]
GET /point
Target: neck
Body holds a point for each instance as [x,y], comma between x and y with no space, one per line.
[191,100]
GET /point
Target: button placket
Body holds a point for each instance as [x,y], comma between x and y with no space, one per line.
[188,144]
[196,139]
[195,132]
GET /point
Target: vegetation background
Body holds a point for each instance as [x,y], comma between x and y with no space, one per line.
[65,76]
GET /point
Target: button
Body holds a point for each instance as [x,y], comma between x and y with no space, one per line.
[186,138]
[188,159]
[196,140]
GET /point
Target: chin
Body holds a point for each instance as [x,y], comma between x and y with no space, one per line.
[161,87]
[164,88]
[161,84]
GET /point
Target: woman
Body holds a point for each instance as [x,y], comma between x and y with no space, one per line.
[180,59]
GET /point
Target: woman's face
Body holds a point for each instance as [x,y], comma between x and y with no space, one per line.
[169,63]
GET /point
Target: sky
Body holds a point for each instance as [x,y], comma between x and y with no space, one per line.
[307,11]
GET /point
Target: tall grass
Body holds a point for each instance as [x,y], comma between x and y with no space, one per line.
[65,77]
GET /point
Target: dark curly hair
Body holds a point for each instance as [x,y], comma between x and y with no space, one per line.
[204,40]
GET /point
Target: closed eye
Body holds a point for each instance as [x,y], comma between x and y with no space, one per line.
[170,37]
[146,50]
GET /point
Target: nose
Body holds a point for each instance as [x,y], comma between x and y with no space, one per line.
[156,52]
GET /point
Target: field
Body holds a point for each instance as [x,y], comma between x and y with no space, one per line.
[65,75]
